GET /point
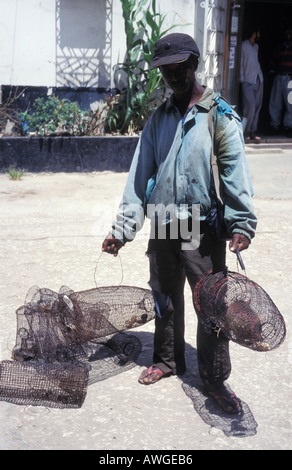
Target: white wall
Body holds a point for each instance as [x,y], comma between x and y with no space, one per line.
[70,42]
[27,42]
[179,12]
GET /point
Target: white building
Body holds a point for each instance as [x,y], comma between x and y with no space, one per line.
[76,43]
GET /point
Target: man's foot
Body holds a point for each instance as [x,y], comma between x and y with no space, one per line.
[227,400]
[151,375]
[255,138]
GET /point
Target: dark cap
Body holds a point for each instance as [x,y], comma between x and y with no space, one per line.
[173,48]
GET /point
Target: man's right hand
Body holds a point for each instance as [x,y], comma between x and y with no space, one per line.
[111,245]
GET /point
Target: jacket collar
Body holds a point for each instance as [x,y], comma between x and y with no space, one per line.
[206,101]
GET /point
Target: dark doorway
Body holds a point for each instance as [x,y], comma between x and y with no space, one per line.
[272,17]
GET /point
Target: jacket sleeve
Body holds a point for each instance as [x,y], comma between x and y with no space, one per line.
[235,177]
[131,212]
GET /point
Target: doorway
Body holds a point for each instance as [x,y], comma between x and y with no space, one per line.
[271,17]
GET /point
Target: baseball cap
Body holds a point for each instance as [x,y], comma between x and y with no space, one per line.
[173,48]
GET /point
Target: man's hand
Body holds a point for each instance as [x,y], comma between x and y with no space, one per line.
[111,245]
[238,241]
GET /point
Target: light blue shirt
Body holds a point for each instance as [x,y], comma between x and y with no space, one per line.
[171,166]
[250,68]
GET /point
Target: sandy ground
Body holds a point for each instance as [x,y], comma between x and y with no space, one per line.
[51,229]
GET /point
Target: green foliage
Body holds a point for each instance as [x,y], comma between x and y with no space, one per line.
[15,174]
[55,117]
[143,27]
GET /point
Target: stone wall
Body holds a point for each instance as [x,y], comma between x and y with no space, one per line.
[68,154]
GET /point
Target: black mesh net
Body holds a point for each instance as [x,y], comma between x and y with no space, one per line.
[37,384]
[68,340]
[241,309]
[53,326]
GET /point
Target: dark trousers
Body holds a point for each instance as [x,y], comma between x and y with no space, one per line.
[170,266]
[252,99]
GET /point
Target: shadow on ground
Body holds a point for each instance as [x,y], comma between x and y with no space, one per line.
[130,352]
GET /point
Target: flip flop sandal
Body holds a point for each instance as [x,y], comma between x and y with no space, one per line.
[151,376]
[229,402]
[256,138]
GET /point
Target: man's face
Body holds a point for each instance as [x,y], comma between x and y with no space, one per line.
[179,77]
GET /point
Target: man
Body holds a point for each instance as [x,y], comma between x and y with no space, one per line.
[171,170]
[282,84]
[251,78]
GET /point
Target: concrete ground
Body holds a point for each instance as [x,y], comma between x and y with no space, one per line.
[51,229]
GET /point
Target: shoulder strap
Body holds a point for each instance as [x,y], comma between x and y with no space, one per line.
[214,165]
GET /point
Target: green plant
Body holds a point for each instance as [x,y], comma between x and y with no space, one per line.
[55,116]
[143,27]
[15,174]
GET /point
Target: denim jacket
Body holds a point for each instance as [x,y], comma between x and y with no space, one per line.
[171,166]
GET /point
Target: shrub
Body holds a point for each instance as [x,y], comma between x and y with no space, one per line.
[55,117]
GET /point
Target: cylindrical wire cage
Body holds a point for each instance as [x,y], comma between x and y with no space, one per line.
[67,340]
[51,326]
[241,309]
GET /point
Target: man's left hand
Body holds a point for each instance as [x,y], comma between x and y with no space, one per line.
[239,241]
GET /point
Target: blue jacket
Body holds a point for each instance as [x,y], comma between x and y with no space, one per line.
[171,166]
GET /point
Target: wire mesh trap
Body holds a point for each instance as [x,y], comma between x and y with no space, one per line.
[241,309]
[53,385]
[67,340]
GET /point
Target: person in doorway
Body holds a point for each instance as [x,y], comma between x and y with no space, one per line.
[251,78]
[171,170]
[281,98]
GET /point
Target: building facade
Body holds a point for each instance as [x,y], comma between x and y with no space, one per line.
[75,44]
